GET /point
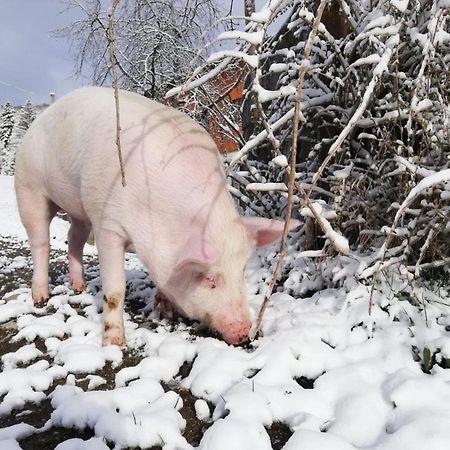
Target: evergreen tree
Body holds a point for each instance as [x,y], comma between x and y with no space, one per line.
[13,126]
[6,123]
[26,115]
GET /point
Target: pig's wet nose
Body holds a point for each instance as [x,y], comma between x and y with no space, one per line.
[234,332]
[236,338]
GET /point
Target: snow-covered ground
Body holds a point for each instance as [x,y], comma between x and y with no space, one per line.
[325,373]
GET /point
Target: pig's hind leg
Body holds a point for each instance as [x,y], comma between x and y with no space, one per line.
[111,253]
[77,237]
[36,213]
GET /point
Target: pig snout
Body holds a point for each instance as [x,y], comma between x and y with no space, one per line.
[233,331]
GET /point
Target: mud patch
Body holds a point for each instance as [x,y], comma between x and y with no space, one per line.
[51,438]
[279,434]
[305,383]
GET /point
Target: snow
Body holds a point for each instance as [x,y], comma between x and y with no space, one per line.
[324,213]
[280,161]
[266,95]
[10,224]
[23,385]
[266,187]
[251,60]
[379,22]
[254,38]
[401,5]
[79,444]
[338,378]
[95,381]
[202,409]
[10,444]
[24,355]
[344,173]
[140,414]
[423,105]
[235,434]
[372,59]
[312,440]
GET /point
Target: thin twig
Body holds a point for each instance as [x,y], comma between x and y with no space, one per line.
[297,117]
[112,56]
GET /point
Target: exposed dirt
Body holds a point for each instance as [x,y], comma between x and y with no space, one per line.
[279,434]
[306,383]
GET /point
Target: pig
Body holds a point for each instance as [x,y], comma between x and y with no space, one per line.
[175,209]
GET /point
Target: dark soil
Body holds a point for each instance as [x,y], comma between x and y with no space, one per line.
[51,438]
[306,383]
[279,434]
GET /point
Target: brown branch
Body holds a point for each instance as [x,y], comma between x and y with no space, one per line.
[112,56]
[297,117]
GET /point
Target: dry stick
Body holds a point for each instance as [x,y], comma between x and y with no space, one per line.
[112,58]
[282,252]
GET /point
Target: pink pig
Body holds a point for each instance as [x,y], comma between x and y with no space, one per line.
[175,209]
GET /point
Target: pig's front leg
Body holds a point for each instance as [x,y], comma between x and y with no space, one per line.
[111,251]
[165,306]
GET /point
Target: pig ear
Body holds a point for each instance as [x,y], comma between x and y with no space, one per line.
[264,231]
[198,254]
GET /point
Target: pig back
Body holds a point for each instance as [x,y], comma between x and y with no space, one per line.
[172,166]
[70,153]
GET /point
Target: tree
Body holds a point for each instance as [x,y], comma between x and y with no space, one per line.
[6,123]
[156,41]
[7,149]
[13,126]
[25,117]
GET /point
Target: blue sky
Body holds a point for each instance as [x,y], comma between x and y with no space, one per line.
[32,62]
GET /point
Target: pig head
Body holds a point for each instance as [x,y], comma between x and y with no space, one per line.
[207,283]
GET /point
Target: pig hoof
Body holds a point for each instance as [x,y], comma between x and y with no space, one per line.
[77,285]
[114,340]
[40,304]
[39,300]
[79,288]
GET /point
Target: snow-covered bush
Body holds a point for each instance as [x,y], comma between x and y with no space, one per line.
[374,121]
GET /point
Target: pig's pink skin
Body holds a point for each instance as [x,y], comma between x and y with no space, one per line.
[175,209]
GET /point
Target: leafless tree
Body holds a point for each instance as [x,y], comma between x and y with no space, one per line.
[156,41]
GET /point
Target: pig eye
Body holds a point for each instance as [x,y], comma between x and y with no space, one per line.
[210,281]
